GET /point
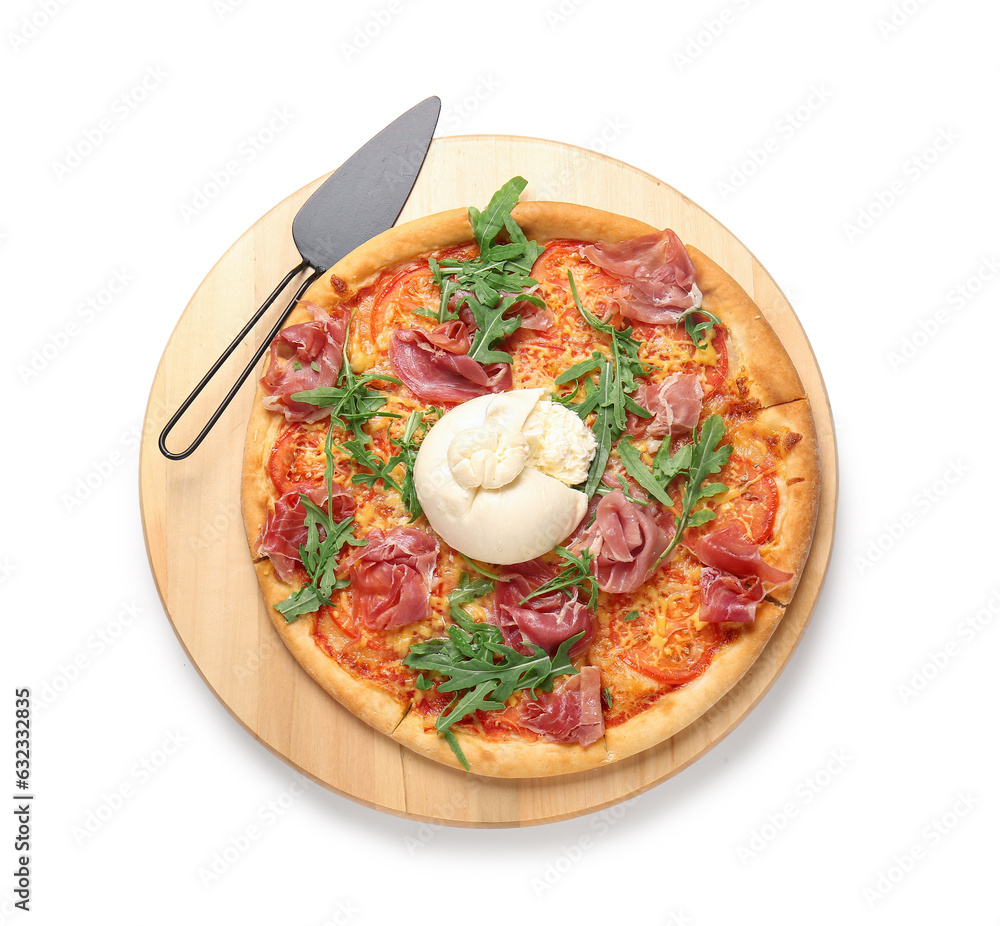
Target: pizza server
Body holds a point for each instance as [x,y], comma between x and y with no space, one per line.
[361,199]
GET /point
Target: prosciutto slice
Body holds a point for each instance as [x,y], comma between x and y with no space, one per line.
[391,578]
[724,597]
[570,714]
[285,527]
[304,357]
[626,541]
[436,367]
[729,550]
[656,273]
[547,620]
[675,405]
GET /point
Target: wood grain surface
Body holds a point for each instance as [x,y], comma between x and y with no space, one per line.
[199,557]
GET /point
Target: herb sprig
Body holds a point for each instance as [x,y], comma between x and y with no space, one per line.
[694,463]
[577,573]
[611,398]
[492,282]
[352,403]
[319,557]
[417,425]
[700,330]
[478,667]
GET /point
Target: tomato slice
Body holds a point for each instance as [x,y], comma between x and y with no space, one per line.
[595,285]
[712,376]
[684,654]
[298,457]
[755,509]
[411,288]
[669,347]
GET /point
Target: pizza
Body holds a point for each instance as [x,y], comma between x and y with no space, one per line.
[528,489]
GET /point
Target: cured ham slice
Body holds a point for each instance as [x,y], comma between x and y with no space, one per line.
[656,273]
[391,578]
[436,367]
[626,541]
[729,550]
[304,357]
[724,597]
[546,620]
[285,531]
[675,405]
[570,714]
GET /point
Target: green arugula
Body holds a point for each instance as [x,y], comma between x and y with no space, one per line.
[467,590]
[352,403]
[611,398]
[479,569]
[418,423]
[694,463]
[319,557]
[577,572]
[478,667]
[492,282]
[699,330]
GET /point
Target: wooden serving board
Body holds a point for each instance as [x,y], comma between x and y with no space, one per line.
[202,567]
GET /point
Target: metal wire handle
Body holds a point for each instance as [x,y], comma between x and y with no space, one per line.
[170,455]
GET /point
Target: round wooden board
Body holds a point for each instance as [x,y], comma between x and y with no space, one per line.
[198,552]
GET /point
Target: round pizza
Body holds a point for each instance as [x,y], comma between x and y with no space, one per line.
[528,489]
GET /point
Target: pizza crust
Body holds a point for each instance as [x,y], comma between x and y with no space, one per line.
[772,383]
[677,709]
[798,478]
[499,758]
[372,704]
[771,376]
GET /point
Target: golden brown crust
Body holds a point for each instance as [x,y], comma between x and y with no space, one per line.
[372,704]
[753,343]
[257,490]
[798,477]
[506,758]
[772,382]
[681,707]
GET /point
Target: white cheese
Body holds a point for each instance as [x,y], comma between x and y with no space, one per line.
[561,444]
[492,476]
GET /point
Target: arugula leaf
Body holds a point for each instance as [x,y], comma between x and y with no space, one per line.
[492,328]
[611,398]
[487,224]
[467,590]
[479,569]
[351,401]
[319,557]
[417,425]
[302,601]
[484,672]
[577,573]
[700,330]
[495,280]
[693,462]
[478,667]
[634,466]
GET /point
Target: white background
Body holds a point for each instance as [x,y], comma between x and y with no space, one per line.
[852,146]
